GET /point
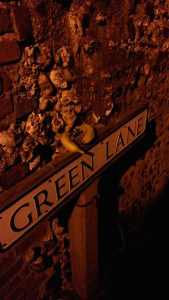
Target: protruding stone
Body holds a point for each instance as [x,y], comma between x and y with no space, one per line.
[108,109]
[90,47]
[36,129]
[69,77]
[27,149]
[57,122]
[7,140]
[45,85]
[69,116]
[57,59]
[42,56]
[78,108]
[65,56]
[146,69]
[69,96]
[96,118]
[33,164]
[43,102]
[57,78]
[101,19]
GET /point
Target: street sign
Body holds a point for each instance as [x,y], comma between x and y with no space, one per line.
[56,190]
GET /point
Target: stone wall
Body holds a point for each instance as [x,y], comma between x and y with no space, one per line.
[65,62]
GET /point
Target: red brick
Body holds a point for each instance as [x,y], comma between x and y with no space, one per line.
[23,106]
[22,23]
[35,295]
[18,294]
[32,239]
[6,106]
[6,81]
[31,284]
[5,22]
[23,272]
[14,175]
[6,260]
[12,284]
[9,50]
[11,272]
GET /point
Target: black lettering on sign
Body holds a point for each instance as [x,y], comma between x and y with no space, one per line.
[89,167]
[139,127]
[59,186]
[44,202]
[131,132]
[12,222]
[108,155]
[120,142]
[73,175]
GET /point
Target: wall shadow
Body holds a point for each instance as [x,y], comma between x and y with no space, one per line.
[138,271]
[109,189]
[132,261]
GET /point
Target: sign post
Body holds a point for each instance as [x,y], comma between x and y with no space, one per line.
[83,234]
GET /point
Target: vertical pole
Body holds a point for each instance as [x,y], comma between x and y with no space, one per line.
[83,231]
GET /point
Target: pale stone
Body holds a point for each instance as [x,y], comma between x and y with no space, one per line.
[45,85]
[109,109]
[27,149]
[69,116]
[57,122]
[68,76]
[43,102]
[65,56]
[57,78]
[33,164]
[6,139]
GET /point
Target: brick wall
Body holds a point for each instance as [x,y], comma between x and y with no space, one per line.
[36,47]
[29,266]
[39,259]
[15,30]
[14,270]
[106,57]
